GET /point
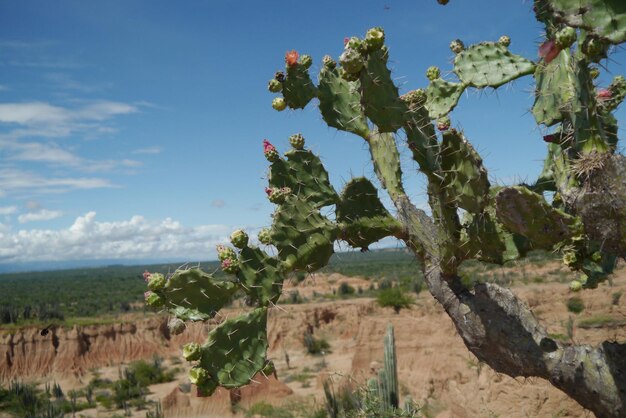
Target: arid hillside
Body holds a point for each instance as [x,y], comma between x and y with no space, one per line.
[435,368]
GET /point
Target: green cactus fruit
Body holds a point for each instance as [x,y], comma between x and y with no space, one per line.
[305,61]
[192,351]
[351,61]
[594,48]
[277,195]
[565,37]
[279,104]
[274,86]
[415,98]
[230,266]
[265,236]
[176,326]
[505,40]
[570,258]
[575,286]
[348,76]
[198,375]
[433,73]
[297,141]
[329,62]
[224,252]
[594,73]
[374,38]
[239,238]
[457,46]
[157,282]
[154,300]
[596,257]
[355,43]
[443,124]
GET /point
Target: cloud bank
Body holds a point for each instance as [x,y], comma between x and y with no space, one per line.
[89,239]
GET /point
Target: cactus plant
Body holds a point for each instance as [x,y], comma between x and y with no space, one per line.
[470,218]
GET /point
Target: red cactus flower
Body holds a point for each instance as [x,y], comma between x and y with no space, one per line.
[604,94]
[146,275]
[549,50]
[267,146]
[291,58]
[345,41]
[269,191]
[549,138]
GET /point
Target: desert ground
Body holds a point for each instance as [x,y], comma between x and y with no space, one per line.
[434,367]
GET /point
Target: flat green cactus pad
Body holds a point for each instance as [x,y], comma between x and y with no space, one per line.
[235,351]
[604,19]
[363,217]
[304,173]
[442,97]
[304,237]
[260,276]
[340,102]
[490,64]
[298,88]
[465,178]
[527,213]
[195,295]
[380,95]
[555,91]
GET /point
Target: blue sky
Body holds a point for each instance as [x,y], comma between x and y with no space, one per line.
[133,129]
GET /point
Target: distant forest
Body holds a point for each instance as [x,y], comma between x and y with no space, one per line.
[62,295]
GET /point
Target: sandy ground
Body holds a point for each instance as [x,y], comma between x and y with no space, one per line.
[435,368]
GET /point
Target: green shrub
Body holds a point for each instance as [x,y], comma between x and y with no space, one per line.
[575,305]
[345,289]
[395,298]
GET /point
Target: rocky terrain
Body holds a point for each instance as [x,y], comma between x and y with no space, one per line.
[435,368]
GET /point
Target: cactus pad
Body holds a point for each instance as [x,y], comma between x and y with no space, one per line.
[465,178]
[303,236]
[555,90]
[298,88]
[527,213]
[442,97]
[340,102]
[260,275]
[490,64]
[363,217]
[195,295]
[604,19]
[380,95]
[235,350]
[305,175]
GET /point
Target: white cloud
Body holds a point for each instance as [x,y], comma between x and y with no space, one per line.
[135,238]
[40,215]
[8,210]
[149,150]
[15,180]
[47,120]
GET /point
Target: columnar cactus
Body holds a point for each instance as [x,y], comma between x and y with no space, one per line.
[585,220]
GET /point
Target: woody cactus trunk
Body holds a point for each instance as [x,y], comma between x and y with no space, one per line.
[585,221]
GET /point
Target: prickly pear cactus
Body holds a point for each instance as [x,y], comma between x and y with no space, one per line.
[471,219]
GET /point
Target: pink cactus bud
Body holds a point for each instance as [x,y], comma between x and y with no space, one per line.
[549,138]
[146,275]
[604,94]
[291,58]
[345,41]
[147,294]
[227,263]
[269,191]
[549,51]
[267,146]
